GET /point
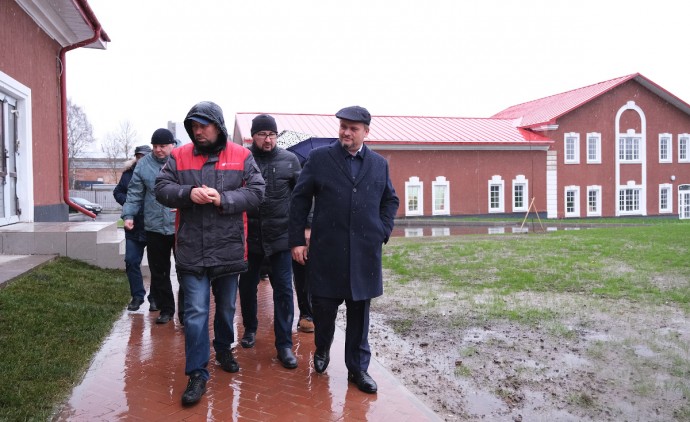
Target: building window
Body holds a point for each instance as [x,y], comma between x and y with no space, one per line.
[665,148]
[572,148]
[572,201]
[440,196]
[520,193]
[414,197]
[629,201]
[594,148]
[629,148]
[496,203]
[665,198]
[683,153]
[593,201]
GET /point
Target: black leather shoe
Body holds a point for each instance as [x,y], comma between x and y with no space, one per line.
[163,319]
[364,382]
[196,387]
[135,304]
[287,358]
[321,361]
[227,361]
[152,305]
[248,340]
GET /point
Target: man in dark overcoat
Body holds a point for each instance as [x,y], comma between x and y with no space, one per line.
[354,211]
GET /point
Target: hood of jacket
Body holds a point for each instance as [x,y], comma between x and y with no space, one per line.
[130,164]
[209,111]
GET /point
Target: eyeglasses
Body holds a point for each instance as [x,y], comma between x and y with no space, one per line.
[264,135]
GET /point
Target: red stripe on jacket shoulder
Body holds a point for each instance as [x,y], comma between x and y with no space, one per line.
[232,157]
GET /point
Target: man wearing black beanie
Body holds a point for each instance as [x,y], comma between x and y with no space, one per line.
[159,222]
[264,122]
[267,236]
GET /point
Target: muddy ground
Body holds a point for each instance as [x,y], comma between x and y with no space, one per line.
[592,360]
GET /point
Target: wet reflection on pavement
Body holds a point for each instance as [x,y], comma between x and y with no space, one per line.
[138,374]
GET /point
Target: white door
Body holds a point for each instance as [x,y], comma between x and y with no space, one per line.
[683,201]
[9,212]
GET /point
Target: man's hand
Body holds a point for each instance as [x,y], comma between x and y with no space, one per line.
[307,235]
[299,254]
[129,224]
[205,195]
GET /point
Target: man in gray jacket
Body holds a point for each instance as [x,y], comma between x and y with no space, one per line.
[213,183]
[159,222]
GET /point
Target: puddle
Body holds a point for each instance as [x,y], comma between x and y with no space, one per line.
[465,229]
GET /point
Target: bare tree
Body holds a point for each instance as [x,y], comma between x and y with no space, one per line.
[79,136]
[118,146]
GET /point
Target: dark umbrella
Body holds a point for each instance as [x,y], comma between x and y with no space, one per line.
[302,149]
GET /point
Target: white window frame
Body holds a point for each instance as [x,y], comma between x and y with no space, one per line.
[575,190]
[440,182]
[499,184]
[594,144]
[666,189]
[24,164]
[684,148]
[666,140]
[571,139]
[414,182]
[596,212]
[631,188]
[521,181]
[629,147]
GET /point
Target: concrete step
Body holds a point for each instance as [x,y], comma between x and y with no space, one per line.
[98,243]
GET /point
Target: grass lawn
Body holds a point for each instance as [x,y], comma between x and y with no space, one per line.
[53,321]
[55,318]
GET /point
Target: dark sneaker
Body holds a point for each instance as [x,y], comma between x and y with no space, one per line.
[226,361]
[135,304]
[163,318]
[196,387]
[152,305]
[248,340]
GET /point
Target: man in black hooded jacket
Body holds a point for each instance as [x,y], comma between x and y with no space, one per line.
[212,183]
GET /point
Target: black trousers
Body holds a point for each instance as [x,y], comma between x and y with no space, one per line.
[158,250]
[299,273]
[325,311]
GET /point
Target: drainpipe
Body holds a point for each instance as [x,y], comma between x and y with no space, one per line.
[63,102]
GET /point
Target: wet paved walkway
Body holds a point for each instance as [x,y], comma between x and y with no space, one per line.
[138,375]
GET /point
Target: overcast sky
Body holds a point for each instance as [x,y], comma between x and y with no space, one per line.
[414,58]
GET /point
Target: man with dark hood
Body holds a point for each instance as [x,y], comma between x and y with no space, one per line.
[212,183]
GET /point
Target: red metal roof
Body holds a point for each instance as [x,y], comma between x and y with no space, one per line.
[511,126]
[404,129]
[545,111]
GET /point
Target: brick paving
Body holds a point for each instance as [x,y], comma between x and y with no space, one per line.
[138,375]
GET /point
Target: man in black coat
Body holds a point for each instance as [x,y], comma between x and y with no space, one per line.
[354,211]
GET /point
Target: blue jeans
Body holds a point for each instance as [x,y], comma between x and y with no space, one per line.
[283,302]
[134,253]
[197,301]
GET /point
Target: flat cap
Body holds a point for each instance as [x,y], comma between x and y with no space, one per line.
[355,114]
[142,149]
